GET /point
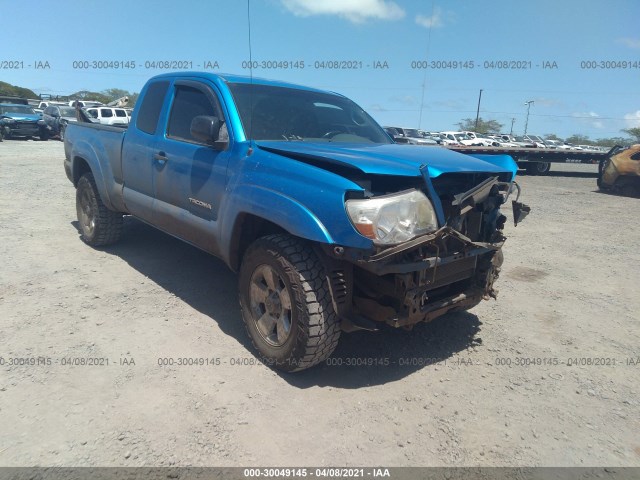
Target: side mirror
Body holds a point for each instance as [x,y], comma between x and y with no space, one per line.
[207,129]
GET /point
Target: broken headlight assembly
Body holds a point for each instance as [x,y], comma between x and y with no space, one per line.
[393,219]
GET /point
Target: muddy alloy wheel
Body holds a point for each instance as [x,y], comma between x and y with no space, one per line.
[286,304]
[98,225]
[270,305]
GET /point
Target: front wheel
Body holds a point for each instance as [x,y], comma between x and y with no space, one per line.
[286,304]
[98,225]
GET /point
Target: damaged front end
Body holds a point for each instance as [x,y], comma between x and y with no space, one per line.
[451,268]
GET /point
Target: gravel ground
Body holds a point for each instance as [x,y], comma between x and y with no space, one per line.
[547,375]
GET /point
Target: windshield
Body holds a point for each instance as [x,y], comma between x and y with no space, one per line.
[67,112]
[16,109]
[281,113]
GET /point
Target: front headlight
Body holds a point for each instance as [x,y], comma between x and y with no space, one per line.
[392,219]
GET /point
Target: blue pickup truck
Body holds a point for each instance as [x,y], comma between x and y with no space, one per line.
[330,225]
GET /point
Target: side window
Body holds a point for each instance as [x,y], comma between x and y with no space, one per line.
[93,112]
[106,112]
[151,105]
[635,156]
[121,113]
[188,103]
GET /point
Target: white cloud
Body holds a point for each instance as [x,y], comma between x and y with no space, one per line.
[630,42]
[409,100]
[376,107]
[590,118]
[547,102]
[632,119]
[356,11]
[434,20]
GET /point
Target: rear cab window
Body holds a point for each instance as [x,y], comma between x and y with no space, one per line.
[149,112]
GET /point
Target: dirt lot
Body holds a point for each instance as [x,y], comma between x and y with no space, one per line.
[547,375]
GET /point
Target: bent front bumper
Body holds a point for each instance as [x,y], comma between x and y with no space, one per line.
[417,281]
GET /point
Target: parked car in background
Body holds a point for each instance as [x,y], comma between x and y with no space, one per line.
[413,137]
[109,115]
[396,135]
[458,138]
[537,141]
[504,143]
[524,142]
[47,103]
[18,120]
[55,120]
[484,141]
[557,144]
[446,141]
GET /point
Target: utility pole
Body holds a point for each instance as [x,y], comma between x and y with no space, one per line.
[513,120]
[528,104]
[478,111]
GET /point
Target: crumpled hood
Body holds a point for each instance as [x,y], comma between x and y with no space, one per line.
[392,159]
[21,117]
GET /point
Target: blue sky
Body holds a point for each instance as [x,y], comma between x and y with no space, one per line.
[568,99]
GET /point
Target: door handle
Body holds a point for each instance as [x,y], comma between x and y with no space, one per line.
[161,157]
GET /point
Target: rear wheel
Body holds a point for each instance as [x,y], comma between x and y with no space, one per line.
[538,168]
[286,304]
[98,225]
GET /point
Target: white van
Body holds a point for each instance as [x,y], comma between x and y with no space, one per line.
[109,115]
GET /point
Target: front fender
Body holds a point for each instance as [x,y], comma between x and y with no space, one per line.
[277,208]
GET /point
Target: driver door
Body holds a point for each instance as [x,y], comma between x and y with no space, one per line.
[189,176]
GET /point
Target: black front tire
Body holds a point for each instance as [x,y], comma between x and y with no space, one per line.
[286,304]
[98,225]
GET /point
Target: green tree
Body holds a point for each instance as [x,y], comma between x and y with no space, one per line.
[87,95]
[613,141]
[577,139]
[115,93]
[484,126]
[551,136]
[634,132]
[15,91]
